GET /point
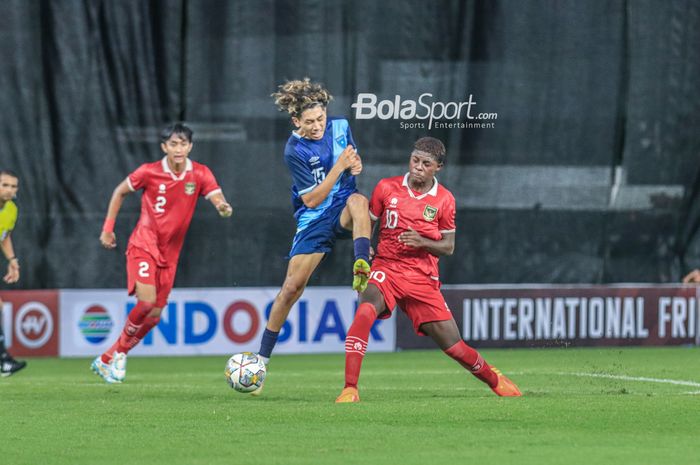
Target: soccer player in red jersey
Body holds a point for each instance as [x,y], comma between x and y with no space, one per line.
[417,225]
[171,187]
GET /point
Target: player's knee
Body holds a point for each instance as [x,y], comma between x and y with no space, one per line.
[155,312]
[373,296]
[291,290]
[358,203]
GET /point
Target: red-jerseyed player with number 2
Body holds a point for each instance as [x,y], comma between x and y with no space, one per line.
[171,187]
[417,225]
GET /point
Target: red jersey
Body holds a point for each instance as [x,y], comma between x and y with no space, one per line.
[167,206]
[397,207]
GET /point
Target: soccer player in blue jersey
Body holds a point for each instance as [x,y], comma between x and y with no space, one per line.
[323,161]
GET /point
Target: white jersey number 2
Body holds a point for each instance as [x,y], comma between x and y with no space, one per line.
[160,203]
[143,269]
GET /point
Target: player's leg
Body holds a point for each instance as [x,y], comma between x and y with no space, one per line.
[299,271]
[446,334]
[165,281]
[146,299]
[355,218]
[8,365]
[371,306]
[165,278]
[141,278]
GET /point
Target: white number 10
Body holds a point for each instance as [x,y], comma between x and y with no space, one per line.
[392,219]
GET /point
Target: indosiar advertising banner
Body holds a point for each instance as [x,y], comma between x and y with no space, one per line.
[543,316]
[215,321]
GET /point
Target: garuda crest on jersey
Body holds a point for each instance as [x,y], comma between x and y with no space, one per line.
[429,213]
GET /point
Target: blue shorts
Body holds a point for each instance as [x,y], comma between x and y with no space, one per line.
[320,235]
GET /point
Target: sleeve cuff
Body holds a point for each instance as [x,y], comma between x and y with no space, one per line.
[214,192]
[307,190]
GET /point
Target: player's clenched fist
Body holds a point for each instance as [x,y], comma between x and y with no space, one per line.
[224,209]
[348,157]
[108,240]
[356,168]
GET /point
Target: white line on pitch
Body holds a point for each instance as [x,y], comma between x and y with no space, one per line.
[635,378]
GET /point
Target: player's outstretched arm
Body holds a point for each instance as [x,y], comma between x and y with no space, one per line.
[12,275]
[347,159]
[445,246]
[222,206]
[692,277]
[107,238]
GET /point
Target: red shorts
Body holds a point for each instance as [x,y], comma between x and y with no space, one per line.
[141,267]
[417,295]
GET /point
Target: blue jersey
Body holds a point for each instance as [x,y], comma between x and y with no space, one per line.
[310,160]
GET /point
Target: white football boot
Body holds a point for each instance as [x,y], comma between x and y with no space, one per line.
[103,370]
[119,367]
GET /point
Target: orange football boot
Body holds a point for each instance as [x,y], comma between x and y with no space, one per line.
[348,394]
[505,387]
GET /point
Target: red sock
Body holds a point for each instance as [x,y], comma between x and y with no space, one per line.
[472,361]
[129,336]
[356,342]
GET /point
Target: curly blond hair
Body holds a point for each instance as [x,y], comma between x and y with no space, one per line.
[298,95]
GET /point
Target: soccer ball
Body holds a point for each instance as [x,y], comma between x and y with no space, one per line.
[245,372]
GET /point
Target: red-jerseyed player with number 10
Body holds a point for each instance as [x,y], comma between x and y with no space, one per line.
[171,187]
[417,225]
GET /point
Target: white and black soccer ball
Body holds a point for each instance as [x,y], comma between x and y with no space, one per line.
[245,372]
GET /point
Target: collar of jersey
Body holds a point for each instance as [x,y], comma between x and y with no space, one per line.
[166,168]
[432,191]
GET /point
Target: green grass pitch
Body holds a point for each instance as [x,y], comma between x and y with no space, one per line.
[580,406]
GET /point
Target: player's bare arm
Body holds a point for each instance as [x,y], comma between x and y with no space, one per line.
[347,159]
[222,206]
[443,247]
[107,238]
[12,275]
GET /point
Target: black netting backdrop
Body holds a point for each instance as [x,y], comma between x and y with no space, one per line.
[590,174]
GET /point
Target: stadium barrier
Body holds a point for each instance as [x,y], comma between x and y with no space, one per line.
[82,323]
[544,316]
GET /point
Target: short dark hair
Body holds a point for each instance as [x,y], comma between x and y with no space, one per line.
[9,173]
[433,146]
[177,128]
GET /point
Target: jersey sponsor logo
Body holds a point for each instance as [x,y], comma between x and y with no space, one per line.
[95,324]
[394,201]
[429,213]
[161,189]
[314,160]
[189,188]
